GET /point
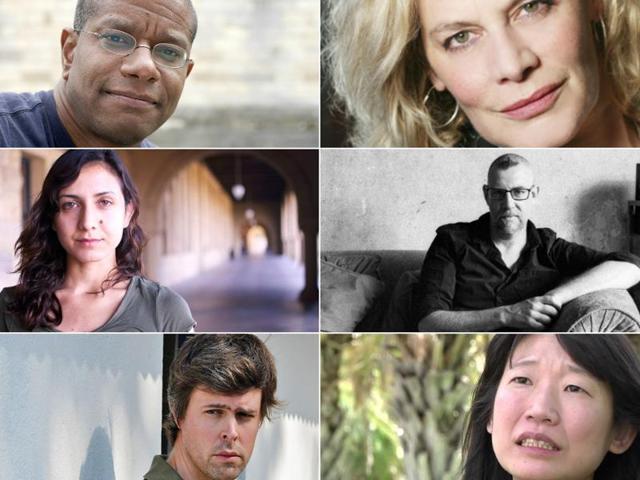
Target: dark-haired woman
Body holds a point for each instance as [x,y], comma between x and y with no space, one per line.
[551,407]
[80,265]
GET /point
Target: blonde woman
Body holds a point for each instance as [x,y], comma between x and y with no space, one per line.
[421,73]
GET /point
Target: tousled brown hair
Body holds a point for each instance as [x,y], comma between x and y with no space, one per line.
[229,364]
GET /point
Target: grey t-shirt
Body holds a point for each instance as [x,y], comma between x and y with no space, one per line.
[146,307]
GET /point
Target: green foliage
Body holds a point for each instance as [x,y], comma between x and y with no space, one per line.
[402,401]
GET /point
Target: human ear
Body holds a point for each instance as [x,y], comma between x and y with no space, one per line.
[535,190]
[485,193]
[68,43]
[190,64]
[623,437]
[436,82]
[490,427]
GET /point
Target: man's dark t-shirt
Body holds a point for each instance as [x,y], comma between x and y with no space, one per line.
[30,120]
[463,269]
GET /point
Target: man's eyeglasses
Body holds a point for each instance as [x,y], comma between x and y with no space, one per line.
[518,193]
[123,44]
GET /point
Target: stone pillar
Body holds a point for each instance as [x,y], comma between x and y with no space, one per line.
[309,227]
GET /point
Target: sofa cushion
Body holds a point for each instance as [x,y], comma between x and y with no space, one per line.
[601,311]
[345,297]
[355,262]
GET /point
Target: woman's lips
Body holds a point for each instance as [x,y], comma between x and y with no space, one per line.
[89,242]
[539,102]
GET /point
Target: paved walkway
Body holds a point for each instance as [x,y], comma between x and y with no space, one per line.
[250,295]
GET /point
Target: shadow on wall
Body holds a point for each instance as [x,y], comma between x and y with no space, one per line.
[601,217]
[88,383]
[99,460]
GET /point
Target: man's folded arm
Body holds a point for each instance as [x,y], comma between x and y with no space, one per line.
[529,315]
[591,270]
[609,274]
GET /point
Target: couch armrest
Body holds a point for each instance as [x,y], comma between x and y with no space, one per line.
[601,311]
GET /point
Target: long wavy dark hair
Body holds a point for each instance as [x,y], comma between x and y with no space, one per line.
[610,358]
[43,261]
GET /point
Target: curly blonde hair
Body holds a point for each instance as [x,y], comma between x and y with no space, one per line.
[379,72]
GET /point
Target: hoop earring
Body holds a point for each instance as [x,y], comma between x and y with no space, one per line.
[453,115]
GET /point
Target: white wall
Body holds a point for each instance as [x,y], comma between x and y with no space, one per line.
[288,446]
[395,199]
[79,406]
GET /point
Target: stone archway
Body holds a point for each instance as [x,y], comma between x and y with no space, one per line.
[152,171]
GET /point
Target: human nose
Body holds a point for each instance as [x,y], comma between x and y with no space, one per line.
[543,406]
[140,64]
[89,218]
[508,199]
[512,57]
[229,430]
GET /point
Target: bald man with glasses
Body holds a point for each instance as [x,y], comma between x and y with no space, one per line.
[124,64]
[500,272]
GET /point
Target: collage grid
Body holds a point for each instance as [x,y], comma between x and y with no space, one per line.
[319,239]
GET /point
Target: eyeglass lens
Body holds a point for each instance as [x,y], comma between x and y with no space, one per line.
[516,193]
[122,43]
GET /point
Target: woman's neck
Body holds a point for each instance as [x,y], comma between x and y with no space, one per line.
[87,277]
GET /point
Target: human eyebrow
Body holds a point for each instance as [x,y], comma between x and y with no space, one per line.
[236,411]
[99,194]
[245,411]
[449,27]
[168,36]
[117,23]
[220,406]
[177,38]
[446,27]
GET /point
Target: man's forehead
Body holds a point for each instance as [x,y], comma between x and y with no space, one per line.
[173,16]
[516,175]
